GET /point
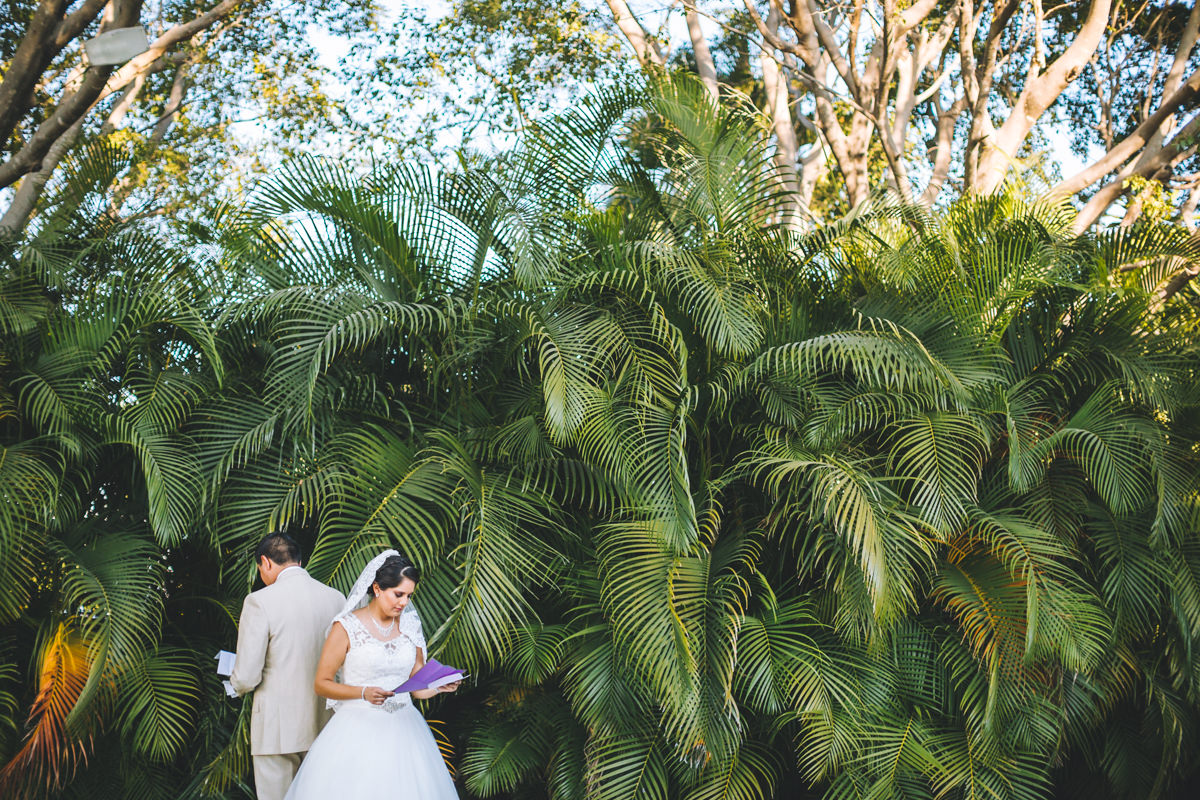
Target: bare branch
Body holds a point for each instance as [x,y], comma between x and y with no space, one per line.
[75,24]
[118,112]
[1183,143]
[771,37]
[171,109]
[806,18]
[1131,144]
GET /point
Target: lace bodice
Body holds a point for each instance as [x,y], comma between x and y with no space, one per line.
[374,662]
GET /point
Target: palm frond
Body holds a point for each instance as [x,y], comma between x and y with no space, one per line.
[943,454]
[158,702]
[51,751]
[111,585]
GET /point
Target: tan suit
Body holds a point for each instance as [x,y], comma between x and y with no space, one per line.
[280,635]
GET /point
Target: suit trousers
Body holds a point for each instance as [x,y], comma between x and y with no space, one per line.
[273,774]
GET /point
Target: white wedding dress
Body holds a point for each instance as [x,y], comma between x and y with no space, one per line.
[367,750]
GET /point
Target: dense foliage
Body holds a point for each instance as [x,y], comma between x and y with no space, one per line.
[903,506]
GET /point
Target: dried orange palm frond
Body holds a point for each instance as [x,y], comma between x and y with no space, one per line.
[50,754]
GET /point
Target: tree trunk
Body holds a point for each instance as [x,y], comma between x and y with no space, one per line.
[780,111]
[818,49]
[815,166]
[977,80]
[893,62]
[943,151]
[704,60]
[1187,213]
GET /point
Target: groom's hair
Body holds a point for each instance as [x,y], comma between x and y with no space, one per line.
[279,547]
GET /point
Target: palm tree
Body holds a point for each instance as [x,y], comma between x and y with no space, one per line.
[713,505]
[1046,464]
[900,507]
[105,351]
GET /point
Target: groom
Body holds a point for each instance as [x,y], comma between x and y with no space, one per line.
[280,635]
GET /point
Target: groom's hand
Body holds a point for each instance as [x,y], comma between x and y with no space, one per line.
[375,696]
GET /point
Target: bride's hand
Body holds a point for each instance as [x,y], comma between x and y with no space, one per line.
[449,687]
[375,696]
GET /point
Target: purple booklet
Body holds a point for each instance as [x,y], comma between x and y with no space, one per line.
[431,676]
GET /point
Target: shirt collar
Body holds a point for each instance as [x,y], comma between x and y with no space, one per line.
[286,570]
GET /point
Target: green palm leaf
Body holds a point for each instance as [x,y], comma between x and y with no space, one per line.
[942,454]
[111,584]
[158,699]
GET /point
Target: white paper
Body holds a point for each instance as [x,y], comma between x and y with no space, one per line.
[225,661]
[458,676]
[229,690]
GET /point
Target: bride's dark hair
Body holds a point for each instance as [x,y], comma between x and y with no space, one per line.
[394,570]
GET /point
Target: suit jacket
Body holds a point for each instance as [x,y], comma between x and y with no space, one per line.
[280,635]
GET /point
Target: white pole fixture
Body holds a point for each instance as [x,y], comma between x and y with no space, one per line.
[116,46]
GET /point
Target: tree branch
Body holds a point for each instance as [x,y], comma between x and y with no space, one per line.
[1187,212]
[942,150]
[913,16]
[644,46]
[24,200]
[31,58]
[100,82]
[69,111]
[78,20]
[1131,144]
[1175,75]
[1183,142]
[1039,93]
[779,109]
[806,17]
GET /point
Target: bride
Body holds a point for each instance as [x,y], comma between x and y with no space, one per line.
[377,740]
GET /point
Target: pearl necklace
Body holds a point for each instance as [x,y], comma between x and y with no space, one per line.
[384,630]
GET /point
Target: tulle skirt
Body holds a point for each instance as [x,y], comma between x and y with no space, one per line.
[365,752]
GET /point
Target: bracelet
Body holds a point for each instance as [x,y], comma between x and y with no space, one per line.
[363,694]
